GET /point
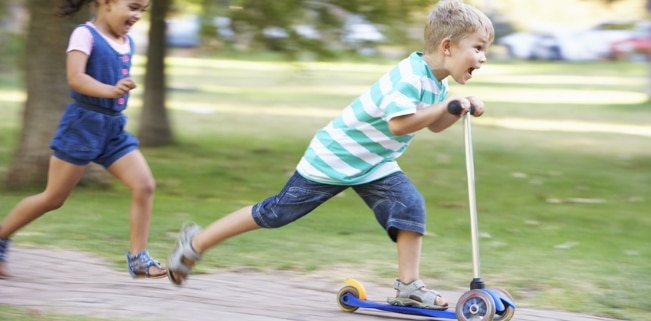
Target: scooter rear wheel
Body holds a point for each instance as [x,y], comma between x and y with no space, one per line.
[475,305]
[347,290]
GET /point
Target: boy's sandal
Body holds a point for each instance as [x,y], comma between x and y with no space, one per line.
[138,265]
[4,250]
[416,295]
[177,263]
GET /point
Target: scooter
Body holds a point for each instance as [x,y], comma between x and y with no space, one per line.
[477,304]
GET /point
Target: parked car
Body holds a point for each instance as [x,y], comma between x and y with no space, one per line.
[532,45]
[564,43]
[361,35]
[637,47]
[183,32]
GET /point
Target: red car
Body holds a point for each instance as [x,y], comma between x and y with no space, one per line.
[637,47]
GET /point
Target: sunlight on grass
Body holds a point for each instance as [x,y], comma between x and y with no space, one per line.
[564,126]
[13,96]
[536,96]
[561,171]
[558,80]
[275,66]
[305,111]
[510,123]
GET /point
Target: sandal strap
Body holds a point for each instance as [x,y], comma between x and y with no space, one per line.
[407,288]
[416,290]
[141,262]
[4,249]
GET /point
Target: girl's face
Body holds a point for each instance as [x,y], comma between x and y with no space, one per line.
[121,15]
[467,55]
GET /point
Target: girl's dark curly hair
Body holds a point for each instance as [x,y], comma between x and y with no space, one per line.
[70,7]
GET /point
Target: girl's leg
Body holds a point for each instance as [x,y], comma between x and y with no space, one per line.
[132,169]
[62,179]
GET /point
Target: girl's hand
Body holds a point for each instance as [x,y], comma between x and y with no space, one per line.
[123,87]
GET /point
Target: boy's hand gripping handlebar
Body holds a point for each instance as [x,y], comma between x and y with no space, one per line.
[454,108]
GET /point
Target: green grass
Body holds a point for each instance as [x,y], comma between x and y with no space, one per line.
[562,165]
[15,314]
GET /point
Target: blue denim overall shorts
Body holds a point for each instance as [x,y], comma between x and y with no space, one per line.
[92,129]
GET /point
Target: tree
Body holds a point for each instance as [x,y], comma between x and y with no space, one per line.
[155,129]
[47,96]
[47,93]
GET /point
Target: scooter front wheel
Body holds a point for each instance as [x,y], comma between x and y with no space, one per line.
[508,313]
[475,305]
[347,290]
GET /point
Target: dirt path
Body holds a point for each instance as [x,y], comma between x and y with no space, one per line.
[76,283]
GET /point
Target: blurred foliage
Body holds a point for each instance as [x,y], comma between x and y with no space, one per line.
[250,18]
[10,38]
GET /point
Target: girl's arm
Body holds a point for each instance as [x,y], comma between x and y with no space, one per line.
[80,81]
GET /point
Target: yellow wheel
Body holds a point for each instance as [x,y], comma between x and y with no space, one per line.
[475,305]
[507,314]
[347,290]
[358,286]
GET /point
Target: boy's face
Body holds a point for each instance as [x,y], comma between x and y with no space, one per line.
[467,55]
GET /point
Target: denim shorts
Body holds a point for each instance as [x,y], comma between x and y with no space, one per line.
[85,136]
[394,199]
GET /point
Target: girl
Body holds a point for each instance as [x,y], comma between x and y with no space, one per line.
[92,129]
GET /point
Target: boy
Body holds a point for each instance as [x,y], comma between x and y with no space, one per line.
[359,148]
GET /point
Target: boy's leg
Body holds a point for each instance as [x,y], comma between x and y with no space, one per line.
[238,222]
[132,169]
[409,246]
[62,179]
[298,197]
[233,224]
[400,209]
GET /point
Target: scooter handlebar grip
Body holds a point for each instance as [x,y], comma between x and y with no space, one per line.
[454,108]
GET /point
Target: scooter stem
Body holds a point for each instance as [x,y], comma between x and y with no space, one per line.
[477,283]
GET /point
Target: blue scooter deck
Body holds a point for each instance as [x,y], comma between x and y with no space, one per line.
[351,300]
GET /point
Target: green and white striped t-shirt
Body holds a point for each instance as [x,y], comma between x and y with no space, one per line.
[357,147]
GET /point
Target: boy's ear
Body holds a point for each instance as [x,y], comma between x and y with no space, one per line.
[445,46]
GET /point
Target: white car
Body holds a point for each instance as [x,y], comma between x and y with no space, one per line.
[360,34]
[554,43]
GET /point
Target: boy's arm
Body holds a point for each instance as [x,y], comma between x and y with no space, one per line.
[448,119]
[435,117]
[407,124]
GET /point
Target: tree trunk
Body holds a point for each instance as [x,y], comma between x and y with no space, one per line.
[155,129]
[47,96]
[648,88]
[47,93]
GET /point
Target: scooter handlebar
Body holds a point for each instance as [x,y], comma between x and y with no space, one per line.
[454,108]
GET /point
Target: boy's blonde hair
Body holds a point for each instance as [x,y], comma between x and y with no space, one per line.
[455,20]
